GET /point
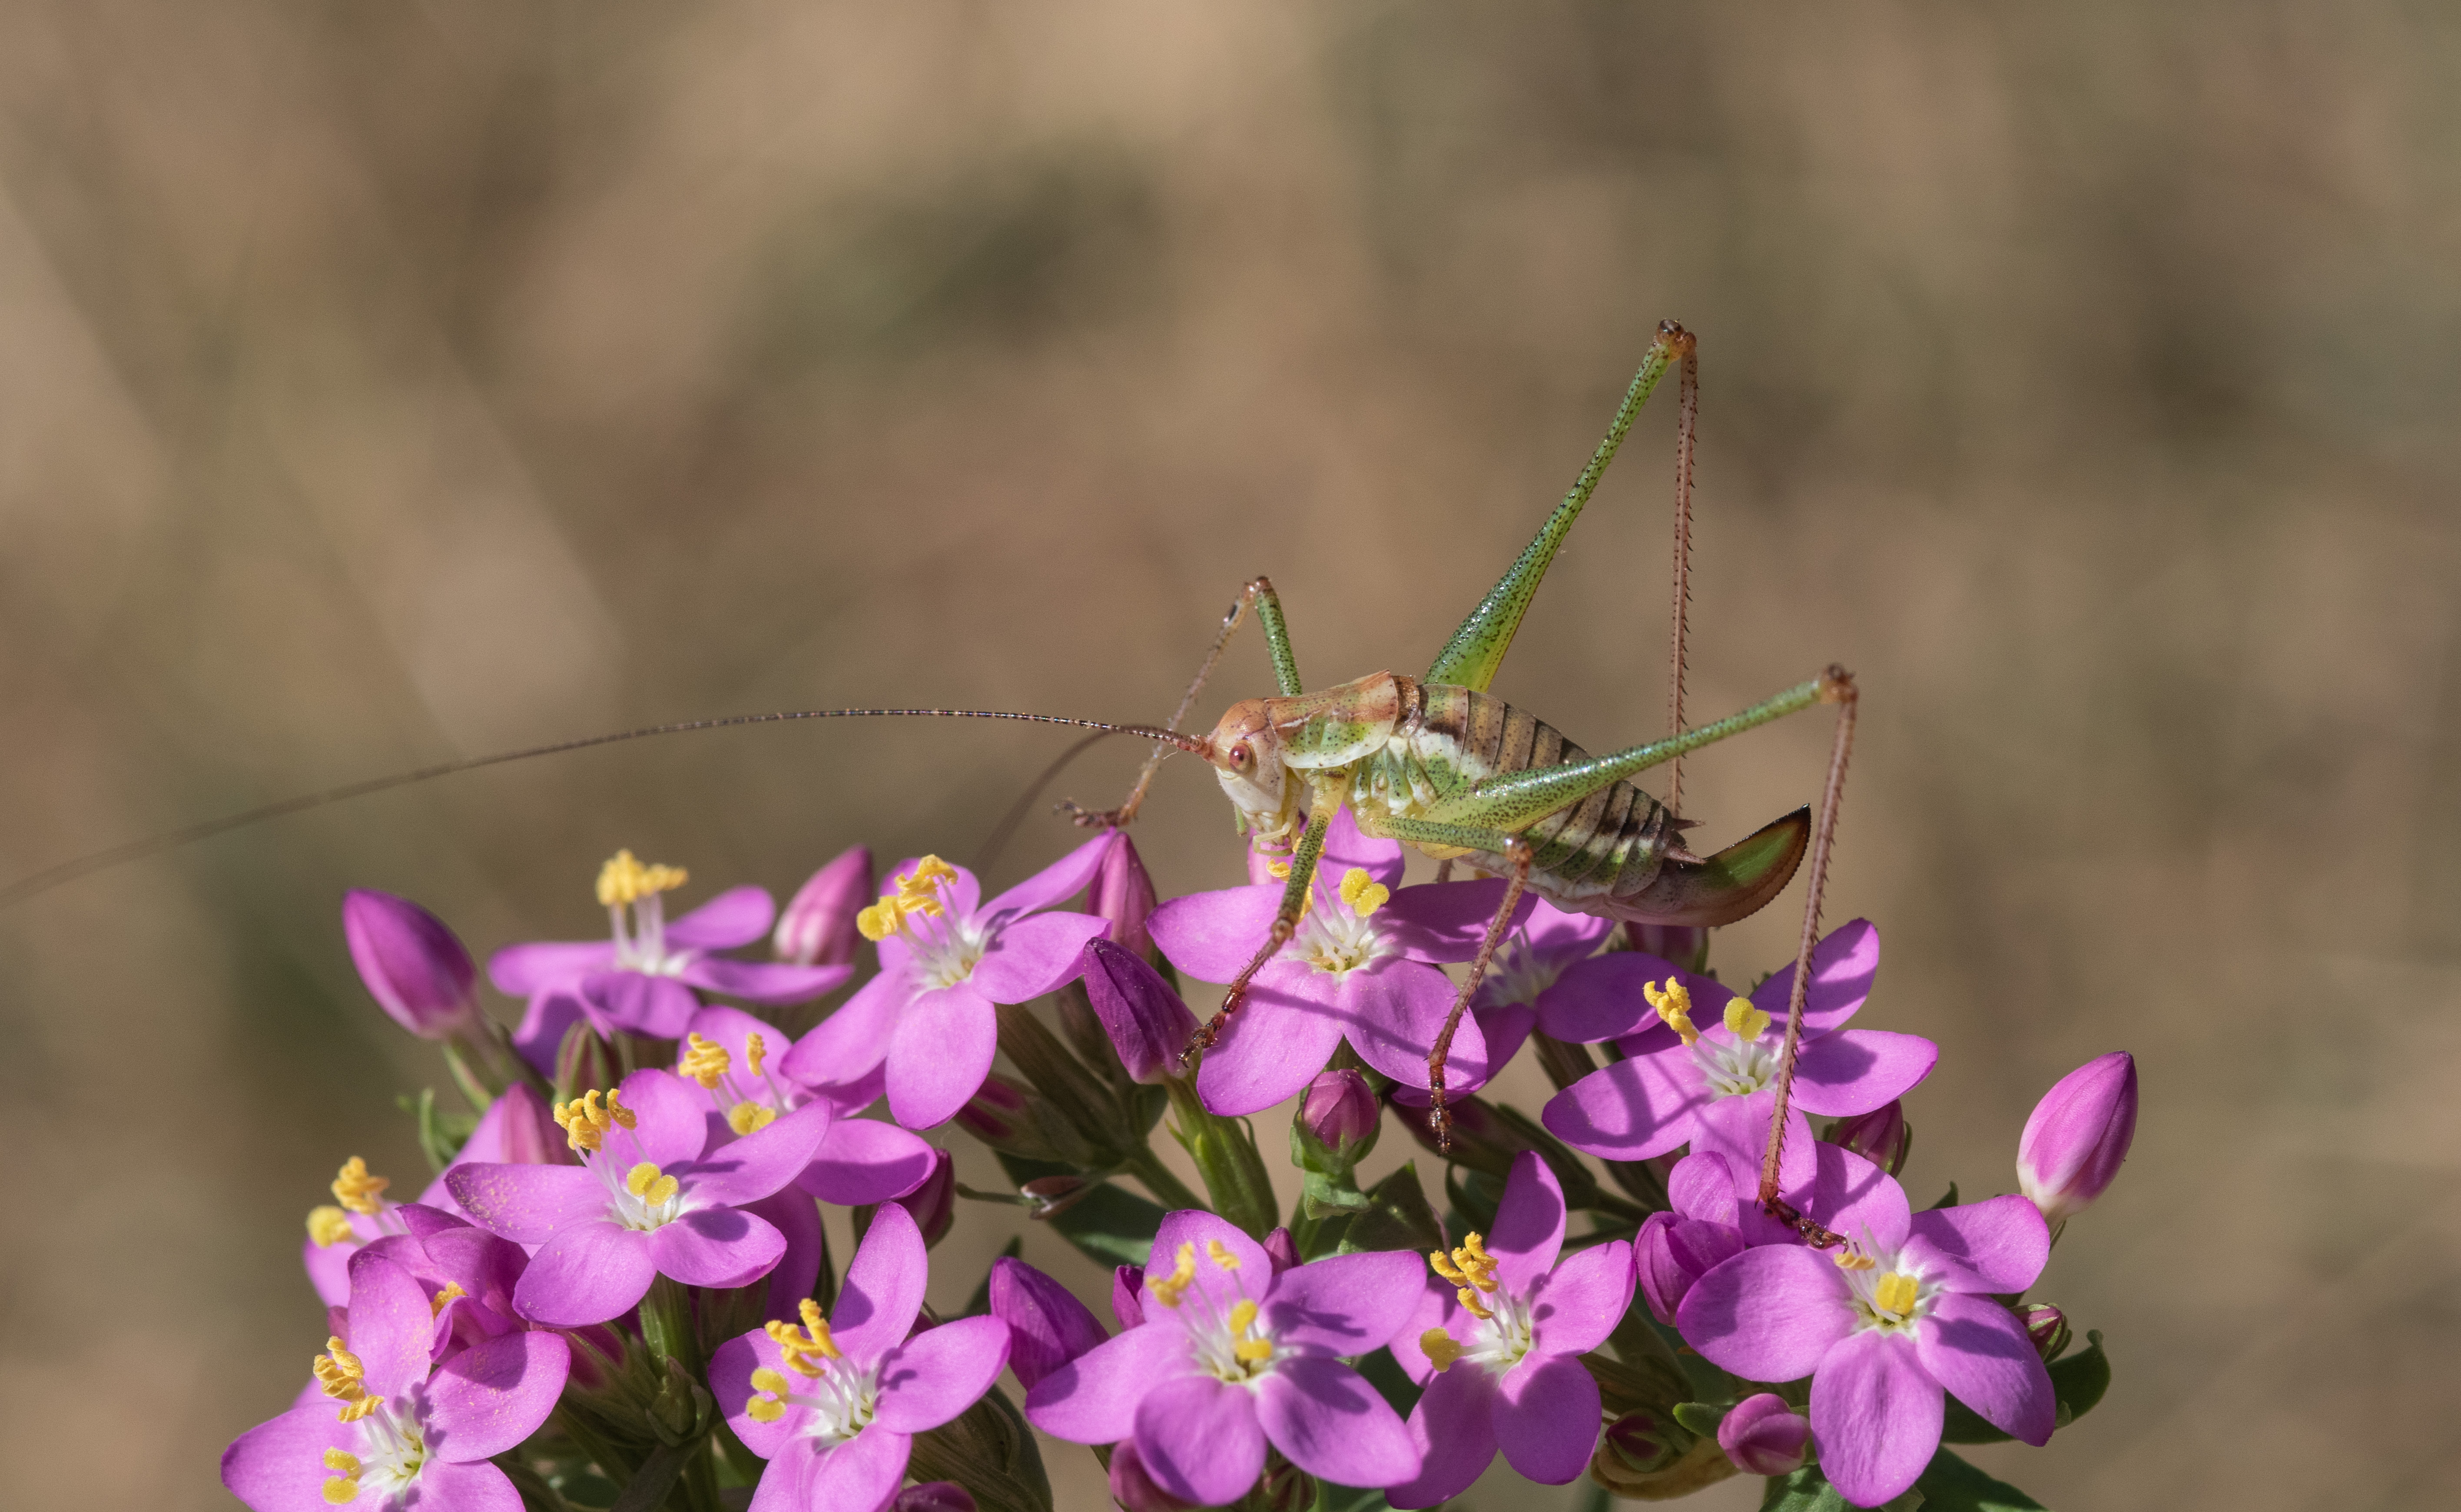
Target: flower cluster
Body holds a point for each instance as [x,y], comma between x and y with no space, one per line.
[619,1286]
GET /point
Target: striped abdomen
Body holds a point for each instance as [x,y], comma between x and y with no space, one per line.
[1606,846]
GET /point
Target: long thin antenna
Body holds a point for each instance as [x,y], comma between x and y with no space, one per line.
[1688,415]
[51,877]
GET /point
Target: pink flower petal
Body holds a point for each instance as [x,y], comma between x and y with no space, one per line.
[1093,1398]
[1033,956]
[1738,1129]
[1047,1326]
[730,1380]
[1600,998]
[1875,1415]
[529,1204]
[492,1396]
[737,916]
[1193,1226]
[588,1273]
[939,1372]
[1529,1231]
[391,1326]
[1447,922]
[1999,1245]
[763,982]
[1769,1314]
[1452,1430]
[1632,1110]
[798,1220]
[717,1247]
[670,1120]
[476,1487]
[749,1168]
[855,1038]
[883,1287]
[1273,1047]
[1582,1301]
[942,1049]
[1705,1186]
[659,1007]
[1209,936]
[1979,1350]
[520,971]
[1546,1418]
[1392,1013]
[863,1162]
[1326,1419]
[1200,1440]
[1051,886]
[1345,1304]
[1856,1070]
[1843,966]
[859,1475]
[279,1466]
[1436,1308]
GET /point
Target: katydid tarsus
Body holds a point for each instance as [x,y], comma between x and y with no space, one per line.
[1435,762]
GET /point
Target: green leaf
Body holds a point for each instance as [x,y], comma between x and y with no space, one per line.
[657,1476]
[1112,1227]
[1807,1490]
[1398,1217]
[1330,1497]
[2078,1382]
[1701,1417]
[1952,1485]
[1950,1200]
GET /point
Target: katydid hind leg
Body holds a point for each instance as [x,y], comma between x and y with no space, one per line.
[1516,879]
[1823,842]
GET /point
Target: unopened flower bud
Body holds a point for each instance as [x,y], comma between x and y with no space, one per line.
[1147,1022]
[517,1129]
[1339,1109]
[2047,1327]
[818,926]
[1882,1136]
[934,1204]
[1763,1436]
[1054,1194]
[1133,1489]
[1281,1249]
[1047,1326]
[1123,895]
[933,1496]
[1128,1295]
[412,966]
[1015,1120]
[2077,1137]
[1671,1252]
[1682,944]
[1641,1442]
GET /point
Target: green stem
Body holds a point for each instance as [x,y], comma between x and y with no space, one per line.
[667,1324]
[1166,1189]
[1226,1157]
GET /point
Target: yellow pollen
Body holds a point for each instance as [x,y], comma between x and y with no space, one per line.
[1744,1021]
[764,1408]
[1243,1313]
[755,1049]
[747,1118]
[1673,1004]
[1895,1293]
[645,1182]
[341,1491]
[586,1123]
[357,1190]
[624,881]
[704,1061]
[1470,1300]
[1167,1290]
[1850,1258]
[808,1350]
[341,1461]
[765,1379]
[1363,893]
[329,1226]
[340,1375]
[1278,870]
[1220,1254]
[1441,1347]
[1253,1351]
[918,891]
[452,1293]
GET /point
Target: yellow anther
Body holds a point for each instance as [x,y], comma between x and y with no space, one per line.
[1278,870]
[1442,1349]
[755,1049]
[764,1408]
[1219,1254]
[329,1226]
[808,1350]
[341,1490]
[1252,1351]
[357,1190]
[1895,1293]
[1850,1258]
[765,1379]
[645,1182]
[1673,1004]
[919,889]
[585,1123]
[452,1293]
[1744,1021]
[1243,1314]
[747,1118]
[340,1375]
[341,1461]
[703,1060]
[1168,1288]
[625,880]
[1363,893]
[1470,1300]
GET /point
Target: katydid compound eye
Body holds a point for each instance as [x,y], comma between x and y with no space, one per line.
[1241,756]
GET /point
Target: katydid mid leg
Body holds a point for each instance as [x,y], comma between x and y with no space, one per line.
[1286,923]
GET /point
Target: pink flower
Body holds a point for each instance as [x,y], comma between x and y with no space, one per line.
[2078,1135]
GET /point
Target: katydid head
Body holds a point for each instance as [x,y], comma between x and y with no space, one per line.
[1245,751]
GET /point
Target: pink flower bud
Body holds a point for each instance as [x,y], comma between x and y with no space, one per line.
[933,1496]
[1636,1439]
[1762,1436]
[1133,1489]
[934,1204]
[2077,1137]
[2047,1327]
[1127,1300]
[1281,1249]
[1338,1109]
[1147,1022]
[516,1130]
[1123,895]
[1685,945]
[1671,1252]
[412,964]
[1881,1135]
[1047,1326]
[818,926]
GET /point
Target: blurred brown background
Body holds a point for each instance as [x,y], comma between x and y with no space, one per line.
[386,382]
